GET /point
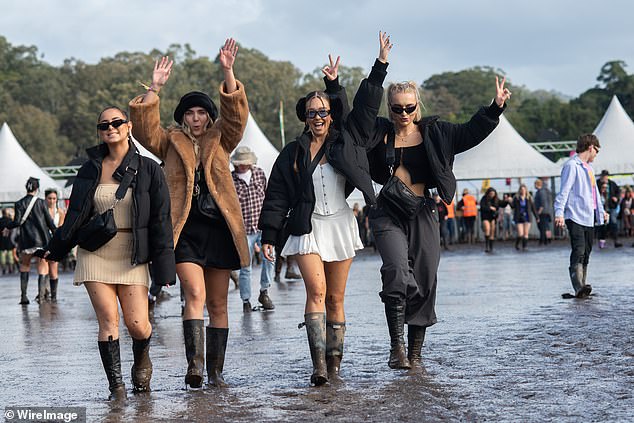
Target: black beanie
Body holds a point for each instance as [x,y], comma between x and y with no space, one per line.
[195,99]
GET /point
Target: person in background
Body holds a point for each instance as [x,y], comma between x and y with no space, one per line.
[490,205]
[6,244]
[523,206]
[469,209]
[209,236]
[544,206]
[442,221]
[250,183]
[627,206]
[612,206]
[578,206]
[507,218]
[36,226]
[451,221]
[57,215]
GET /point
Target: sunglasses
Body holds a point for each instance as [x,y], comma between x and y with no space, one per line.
[400,109]
[310,114]
[115,124]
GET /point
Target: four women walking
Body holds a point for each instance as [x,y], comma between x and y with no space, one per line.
[186,218]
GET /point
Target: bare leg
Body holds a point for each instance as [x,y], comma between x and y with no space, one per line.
[192,280]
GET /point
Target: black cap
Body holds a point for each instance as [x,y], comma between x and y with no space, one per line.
[195,99]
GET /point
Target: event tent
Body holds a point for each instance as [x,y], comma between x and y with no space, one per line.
[503,154]
[16,167]
[616,136]
[255,139]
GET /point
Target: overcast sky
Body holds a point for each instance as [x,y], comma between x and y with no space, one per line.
[543,44]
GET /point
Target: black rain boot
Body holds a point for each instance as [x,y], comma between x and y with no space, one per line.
[395,315]
[54,283]
[216,347]
[194,351]
[586,286]
[576,277]
[491,241]
[316,332]
[111,359]
[517,243]
[415,339]
[24,283]
[142,367]
[41,289]
[486,245]
[524,243]
[335,333]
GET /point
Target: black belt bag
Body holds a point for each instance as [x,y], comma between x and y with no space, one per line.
[395,195]
[101,227]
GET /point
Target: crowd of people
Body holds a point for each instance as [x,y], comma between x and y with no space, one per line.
[195,218]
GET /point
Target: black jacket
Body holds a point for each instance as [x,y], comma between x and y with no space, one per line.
[290,191]
[530,208]
[485,207]
[36,230]
[151,221]
[442,141]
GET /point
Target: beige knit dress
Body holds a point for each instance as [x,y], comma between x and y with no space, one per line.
[112,262]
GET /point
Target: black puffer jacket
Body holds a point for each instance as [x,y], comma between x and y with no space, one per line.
[36,230]
[151,222]
[286,195]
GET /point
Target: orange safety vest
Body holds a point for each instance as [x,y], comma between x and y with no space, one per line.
[469,207]
[451,211]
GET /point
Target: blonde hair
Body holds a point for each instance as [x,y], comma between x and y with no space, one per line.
[187,130]
[405,87]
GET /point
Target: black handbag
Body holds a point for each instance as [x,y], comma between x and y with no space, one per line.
[395,195]
[101,227]
[204,201]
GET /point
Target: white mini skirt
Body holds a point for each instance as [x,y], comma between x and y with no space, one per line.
[334,237]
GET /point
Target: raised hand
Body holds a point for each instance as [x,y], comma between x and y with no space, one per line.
[331,71]
[384,46]
[228,54]
[161,73]
[501,94]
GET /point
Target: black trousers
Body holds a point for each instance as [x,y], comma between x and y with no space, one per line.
[410,251]
[581,238]
[543,225]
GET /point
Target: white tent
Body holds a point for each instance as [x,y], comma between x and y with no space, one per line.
[616,135]
[16,167]
[255,139]
[503,154]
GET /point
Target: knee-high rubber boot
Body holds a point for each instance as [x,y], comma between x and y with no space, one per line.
[142,367]
[576,277]
[111,359]
[216,347]
[587,286]
[415,339]
[335,333]
[54,283]
[194,352]
[517,242]
[524,243]
[486,245]
[24,283]
[41,289]
[491,241]
[316,333]
[395,315]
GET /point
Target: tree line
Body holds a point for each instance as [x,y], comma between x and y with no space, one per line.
[53,109]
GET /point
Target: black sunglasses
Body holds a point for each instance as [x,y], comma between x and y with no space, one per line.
[310,114]
[103,126]
[400,109]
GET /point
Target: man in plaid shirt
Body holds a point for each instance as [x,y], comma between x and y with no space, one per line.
[250,183]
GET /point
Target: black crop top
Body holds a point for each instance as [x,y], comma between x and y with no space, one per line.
[415,161]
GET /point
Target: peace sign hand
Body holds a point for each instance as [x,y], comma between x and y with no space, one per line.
[501,94]
[162,71]
[331,71]
[228,54]
[384,46]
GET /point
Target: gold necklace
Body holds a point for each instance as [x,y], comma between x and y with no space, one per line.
[404,139]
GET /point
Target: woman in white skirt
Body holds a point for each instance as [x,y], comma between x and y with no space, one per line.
[306,199]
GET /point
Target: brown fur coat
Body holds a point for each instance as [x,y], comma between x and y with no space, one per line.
[177,151]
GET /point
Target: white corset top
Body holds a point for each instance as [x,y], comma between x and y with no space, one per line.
[330,188]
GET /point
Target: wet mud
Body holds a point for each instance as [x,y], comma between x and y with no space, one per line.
[506,347]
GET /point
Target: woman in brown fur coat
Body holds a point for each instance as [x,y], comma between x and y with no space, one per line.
[209,233]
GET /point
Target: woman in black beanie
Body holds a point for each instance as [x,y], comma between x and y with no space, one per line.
[209,235]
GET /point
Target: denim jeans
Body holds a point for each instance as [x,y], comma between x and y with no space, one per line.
[245,273]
